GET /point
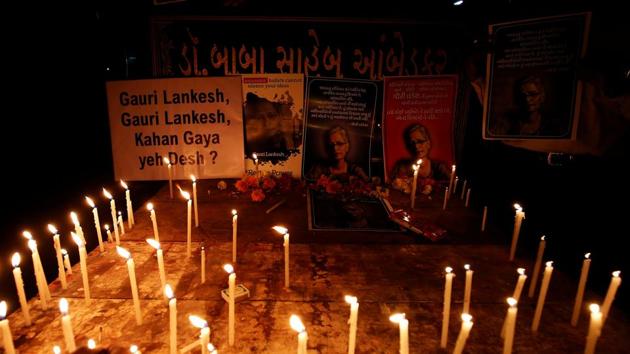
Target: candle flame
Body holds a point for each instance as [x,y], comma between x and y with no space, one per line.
[123,252]
[90,202]
[3,309]
[64,252]
[52,228]
[228,268]
[397,317]
[518,207]
[16,259]
[549,264]
[543,238]
[466,317]
[234,212]
[448,269]
[77,239]
[91,344]
[133,348]
[280,229]
[588,255]
[74,218]
[167,161]
[521,271]
[107,194]
[184,194]
[119,213]
[124,185]
[168,291]
[63,306]
[197,321]
[512,301]
[467,266]
[255,156]
[616,273]
[415,168]
[453,168]
[153,243]
[193,178]
[419,162]
[212,349]
[27,235]
[351,299]
[106,226]
[594,308]
[32,245]
[150,206]
[296,324]
[56,349]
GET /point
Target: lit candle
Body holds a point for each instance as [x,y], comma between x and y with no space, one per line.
[463,333]
[83,263]
[541,297]
[121,224]
[57,245]
[467,289]
[109,234]
[285,232]
[518,219]
[298,326]
[77,226]
[447,305]
[112,207]
[172,312]
[203,264]
[510,325]
[579,296]
[615,281]
[7,337]
[467,198]
[450,183]
[186,196]
[204,337]
[91,344]
[212,349]
[234,233]
[255,162]
[194,185]
[66,326]
[455,185]
[40,276]
[132,279]
[66,261]
[517,294]
[463,189]
[403,326]
[539,257]
[57,349]
[153,221]
[133,349]
[97,223]
[352,321]
[484,218]
[19,285]
[594,329]
[416,168]
[446,194]
[160,258]
[170,176]
[232,295]
[130,220]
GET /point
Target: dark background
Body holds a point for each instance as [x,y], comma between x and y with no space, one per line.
[56,146]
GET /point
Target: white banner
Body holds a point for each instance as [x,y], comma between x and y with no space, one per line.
[197,123]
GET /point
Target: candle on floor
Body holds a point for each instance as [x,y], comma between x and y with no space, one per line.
[452,179]
[186,196]
[204,337]
[403,327]
[510,325]
[194,185]
[160,258]
[97,223]
[543,294]
[455,186]
[579,296]
[40,276]
[153,221]
[234,234]
[83,263]
[66,326]
[7,337]
[112,207]
[484,218]
[172,315]
[298,326]
[416,168]
[446,194]
[463,333]
[57,245]
[615,281]
[463,189]
[133,349]
[539,257]
[232,296]
[594,329]
[121,224]
[203,264]
[255,157]
[352,321]
[109,234]
[467,289]
[447,306]
[518,220]
[170,175]
[19,285]
[467,198]
[516,295]
[77,226]
[132,279]
[285,233]
[130,220]
[66,261]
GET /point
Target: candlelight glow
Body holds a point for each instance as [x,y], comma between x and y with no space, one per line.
[74,218]
[76,239]
[123,252]
[52,228]
[3,309]
[91,344]
[467,266]
[415,167]
[133,348]
[150,206]
[280,229]
[197,321]
[184,194]
[466,317]
[228,268]
[212,349]
[419,162]
[153,243]
[296,324]
[107,194]
[594,308]
[448,269]
[587,256]
[56,349]
[255,156]
[119,213]
[106,226]
[64,252]
[453,168]
[167,161]
[351,299]
[234,212]
[193,178]
[518,207]
[16,259]
[168,291]
[521,271]
[32,245]
[27,234]
[549,264]
[123,184]
[542,238]
[616,273]
[511,301]
[63,306]
[397,317]
[90,202]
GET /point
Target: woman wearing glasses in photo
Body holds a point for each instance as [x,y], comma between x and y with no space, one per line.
[337,148]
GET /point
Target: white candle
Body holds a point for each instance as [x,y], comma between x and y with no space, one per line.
[97,223]
[450,183]
[403,327]
[194,185]
[109,234]
[518,219]
[615,281]
[447,306]
[455,185]
[463,189]
[204,337]
[510,326]
[539,257]
[77,226]
[57,245]
[298,326]
[446,194]
[66,261]
[517,294]
[463,333]
[415,168]
[255,157]
[112,207]
[170,176]
[172,312]
[212,349]
[160,258]
[156,235]
[467,198]
[541,297]
[579,296]
[7,337]
[186,196]
[467,289]
[121,224]
[19,285]
[203,264]
[83,263]
[130,221]
[40,276]
[594,329]
[285,233]
[484,218]
[132,279]
[234,233]
[66,326]
[352,321]
[232,295]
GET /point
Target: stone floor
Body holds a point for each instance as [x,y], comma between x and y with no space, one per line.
[388,272]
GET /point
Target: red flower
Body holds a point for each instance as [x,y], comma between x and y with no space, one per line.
[252,182]
[268,183]
[241,186]
[333,187]
[258,195]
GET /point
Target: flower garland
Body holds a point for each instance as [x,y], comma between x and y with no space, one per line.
[259,187]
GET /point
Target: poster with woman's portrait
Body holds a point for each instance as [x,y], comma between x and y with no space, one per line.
[418,115]
[533,91]
[273,120]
